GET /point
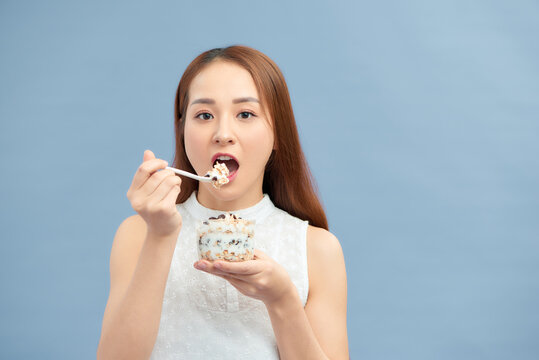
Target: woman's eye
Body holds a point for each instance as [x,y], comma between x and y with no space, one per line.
[204,116]
[246,114]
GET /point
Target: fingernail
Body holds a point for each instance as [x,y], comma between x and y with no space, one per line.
[201,266]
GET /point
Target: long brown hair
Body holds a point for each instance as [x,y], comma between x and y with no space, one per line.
[287,178]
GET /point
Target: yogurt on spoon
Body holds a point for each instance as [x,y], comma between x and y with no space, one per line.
[219,175]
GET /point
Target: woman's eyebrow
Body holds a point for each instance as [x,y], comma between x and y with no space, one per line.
[235,101]
[245,99]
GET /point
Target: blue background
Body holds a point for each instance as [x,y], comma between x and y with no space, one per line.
[420,121]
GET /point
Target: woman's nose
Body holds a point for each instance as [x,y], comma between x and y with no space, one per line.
[223,133]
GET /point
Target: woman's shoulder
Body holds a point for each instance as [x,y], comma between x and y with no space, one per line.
[132,224]
[129,239]
[322,242]
[324,254]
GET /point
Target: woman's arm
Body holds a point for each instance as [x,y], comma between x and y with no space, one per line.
[139,267]
[317,331]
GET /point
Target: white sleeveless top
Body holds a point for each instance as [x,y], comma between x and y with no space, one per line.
[203,315]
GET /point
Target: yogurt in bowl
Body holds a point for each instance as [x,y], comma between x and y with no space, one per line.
[226,237]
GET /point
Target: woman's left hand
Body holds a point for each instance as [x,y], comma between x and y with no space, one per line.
[262,278]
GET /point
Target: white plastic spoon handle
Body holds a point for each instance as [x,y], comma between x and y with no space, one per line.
[189,175]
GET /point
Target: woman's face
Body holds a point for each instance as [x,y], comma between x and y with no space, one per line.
[223,120]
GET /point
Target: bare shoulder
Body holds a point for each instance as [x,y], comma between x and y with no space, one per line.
[133,222]
[128,240]
[321,237]
[133,225]
[323,248]
[325,258]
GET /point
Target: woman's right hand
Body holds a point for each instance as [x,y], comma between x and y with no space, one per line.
[153,195]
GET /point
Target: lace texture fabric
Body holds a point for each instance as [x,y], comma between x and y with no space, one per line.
[203,315]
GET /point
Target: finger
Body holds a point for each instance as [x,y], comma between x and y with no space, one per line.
[248,267]
[145,171]
[209,267]
[148,155]
[162,190]
[239,284]
[259,254]
[242,286]
[156,179]
[172,195]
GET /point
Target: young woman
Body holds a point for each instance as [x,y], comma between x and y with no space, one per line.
[289,302]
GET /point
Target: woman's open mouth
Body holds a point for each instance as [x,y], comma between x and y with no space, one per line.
[230,162]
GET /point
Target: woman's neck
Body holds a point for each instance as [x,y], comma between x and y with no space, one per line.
[227,200]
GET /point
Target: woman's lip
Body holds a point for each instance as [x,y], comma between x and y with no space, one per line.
[214,158]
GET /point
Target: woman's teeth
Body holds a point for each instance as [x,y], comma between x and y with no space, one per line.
[224,158]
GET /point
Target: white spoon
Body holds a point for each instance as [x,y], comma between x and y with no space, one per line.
[189,175]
